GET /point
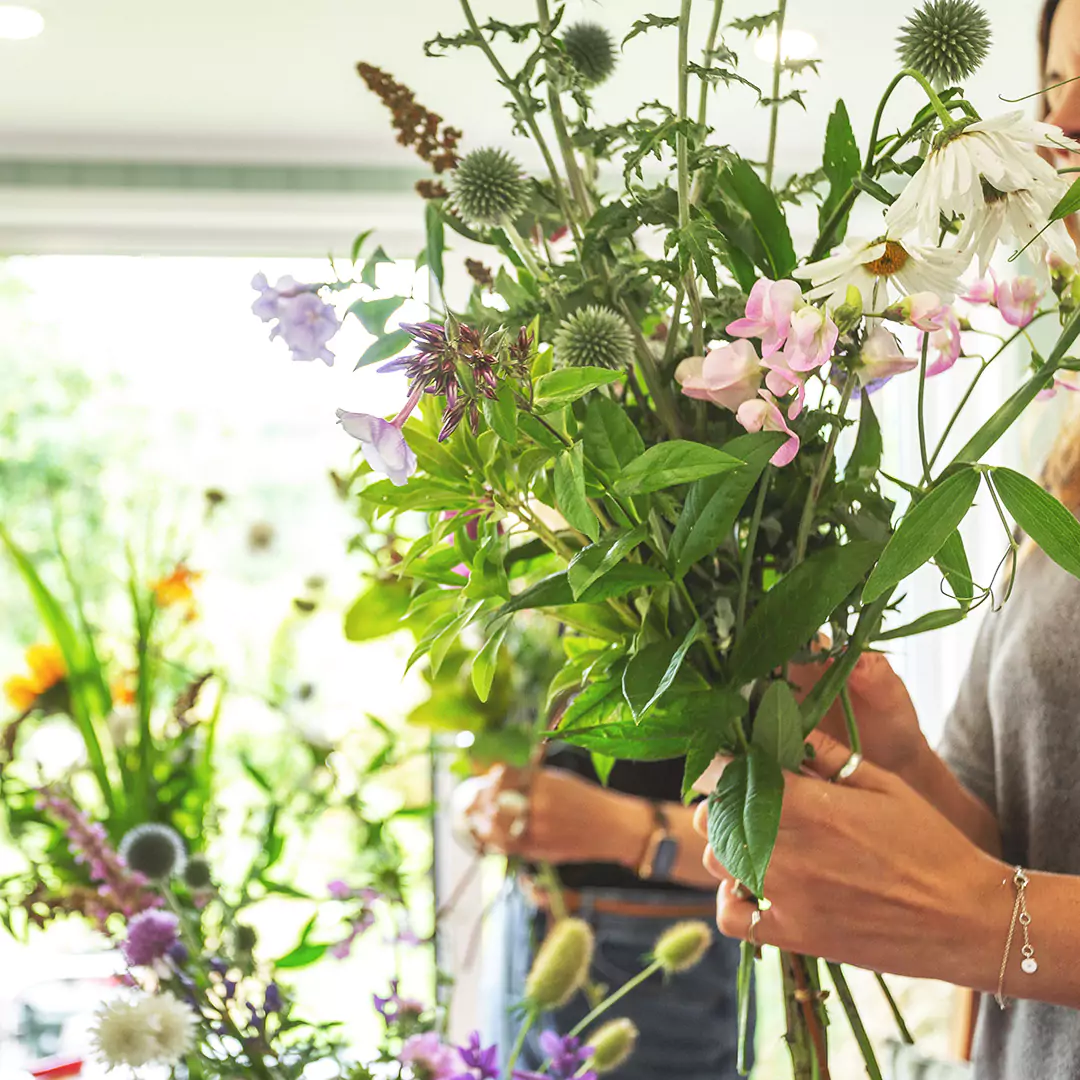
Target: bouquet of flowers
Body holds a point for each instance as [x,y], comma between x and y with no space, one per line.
[634,421]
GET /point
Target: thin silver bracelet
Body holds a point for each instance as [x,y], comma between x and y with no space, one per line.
[1028,964]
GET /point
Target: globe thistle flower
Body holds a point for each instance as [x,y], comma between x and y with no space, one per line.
[946,40]
[488,187]
[612,1044]
[991,174]
[150,935]
[197,874]
[683,945]
[561,965]
[591,50]
[153,850]
[877,268]
[593,336]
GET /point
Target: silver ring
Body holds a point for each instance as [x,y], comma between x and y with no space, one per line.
[755,918]
[848,768]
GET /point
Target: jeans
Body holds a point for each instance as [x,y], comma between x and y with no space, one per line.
[688,1023]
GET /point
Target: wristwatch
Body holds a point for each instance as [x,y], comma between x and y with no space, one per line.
[661,850]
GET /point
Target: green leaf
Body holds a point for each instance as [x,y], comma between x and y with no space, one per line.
[302,956]
[357,244]
[932,620]
[593,562]
[651,672]
[841,165]
[922,531]
[778,726]
[651,22]
[1041,516]
[611,439]
[670,463]
[593,707]
[393,344]
[1069,203]
[487,660]
[570,496]
[559,388]
[374,313]
[952,561]
[865,458]
[554,591]
[436,239]
[602,766]
[744,817]
[713,504]
[501,413]
[367,274]
[766,217]
[378,611]
[793,610]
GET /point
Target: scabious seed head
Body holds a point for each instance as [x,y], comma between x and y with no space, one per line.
[488,187]
[591,50]
[561,965]
[153,850]
[683,945]
[593,336]
[612,1044]
[947,40]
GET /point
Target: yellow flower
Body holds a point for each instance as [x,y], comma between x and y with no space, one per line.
[122,691]
[176,589]
[46,664]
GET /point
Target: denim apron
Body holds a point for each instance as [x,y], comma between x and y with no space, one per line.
[688,1022]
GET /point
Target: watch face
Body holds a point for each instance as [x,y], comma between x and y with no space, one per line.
[667,851]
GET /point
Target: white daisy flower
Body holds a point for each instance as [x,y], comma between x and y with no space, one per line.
[965,166]
[878,268]
[1016,217]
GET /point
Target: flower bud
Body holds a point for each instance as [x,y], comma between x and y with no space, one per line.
[561,965]
[488,187]
[612,1044]
[848,314]
[683,945]
[593,336]
[947,40]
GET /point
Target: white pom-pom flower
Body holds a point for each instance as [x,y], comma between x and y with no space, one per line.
[153,1028]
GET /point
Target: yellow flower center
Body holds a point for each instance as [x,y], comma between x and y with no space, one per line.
[890,261]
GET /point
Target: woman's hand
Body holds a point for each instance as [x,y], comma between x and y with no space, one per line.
[888,725]
[551,815]
[866,872]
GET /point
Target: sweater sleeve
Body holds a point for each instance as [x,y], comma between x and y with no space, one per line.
[967,744]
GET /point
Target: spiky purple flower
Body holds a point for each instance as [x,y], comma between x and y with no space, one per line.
[150,936]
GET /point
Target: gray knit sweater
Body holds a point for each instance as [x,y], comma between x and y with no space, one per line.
[1013,738]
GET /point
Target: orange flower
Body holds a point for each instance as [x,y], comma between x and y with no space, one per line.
[176,588]
[122,691]
[46,664]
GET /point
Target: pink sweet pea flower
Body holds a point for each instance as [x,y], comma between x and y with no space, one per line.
[881,359]
[781,380]
[923,309]
[768,314]
[811,339]
[728,376]
[982,292]
[763,414]
[429,1057]
[946,341]
[1017,300]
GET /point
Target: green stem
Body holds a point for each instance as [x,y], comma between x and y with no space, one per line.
[527,114]
[519,1042]
[939,106]
[662,401]
[710,44]
[774,107]
[873,1070]
[748,550]
[1005,343]
[822,471]
[745,977]
[905,1035]
[682,151]
[610,1000]
[673,329]
[849,720]
[922,414]
[558,119]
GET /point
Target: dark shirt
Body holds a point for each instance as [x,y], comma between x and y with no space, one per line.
[657,780]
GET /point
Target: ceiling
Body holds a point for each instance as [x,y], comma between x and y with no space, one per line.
[274,81]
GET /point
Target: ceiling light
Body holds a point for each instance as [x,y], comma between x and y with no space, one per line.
[19,23]
[795,45]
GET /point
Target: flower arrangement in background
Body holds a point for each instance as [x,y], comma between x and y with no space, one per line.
[631,425]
